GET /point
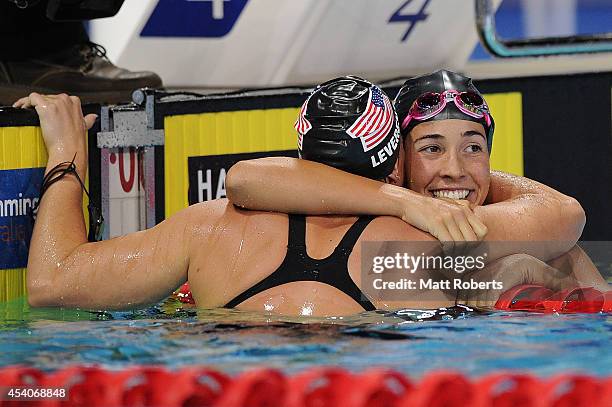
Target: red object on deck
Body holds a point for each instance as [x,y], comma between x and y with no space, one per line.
[319,387]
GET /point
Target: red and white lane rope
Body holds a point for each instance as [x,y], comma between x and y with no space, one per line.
[319,387]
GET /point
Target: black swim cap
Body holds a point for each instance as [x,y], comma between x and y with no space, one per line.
[439,82]
[350,124]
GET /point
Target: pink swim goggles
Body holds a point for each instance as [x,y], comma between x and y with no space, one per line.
[430,104]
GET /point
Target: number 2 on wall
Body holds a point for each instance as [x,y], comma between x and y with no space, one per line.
[412,19]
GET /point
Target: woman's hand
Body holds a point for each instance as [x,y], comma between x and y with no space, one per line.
[445,219]
[511,271]
[61,120]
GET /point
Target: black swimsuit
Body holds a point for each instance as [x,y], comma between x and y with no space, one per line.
[298,266]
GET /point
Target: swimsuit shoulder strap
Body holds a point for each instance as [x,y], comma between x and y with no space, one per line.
[346,245]
[338,273]
[286,272]
[297,232]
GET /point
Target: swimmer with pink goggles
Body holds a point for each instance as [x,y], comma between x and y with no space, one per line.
[430,104]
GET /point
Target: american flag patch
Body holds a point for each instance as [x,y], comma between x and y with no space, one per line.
[375,122]
[302,125]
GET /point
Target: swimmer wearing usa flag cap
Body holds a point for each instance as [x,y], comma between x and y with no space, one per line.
[350,124]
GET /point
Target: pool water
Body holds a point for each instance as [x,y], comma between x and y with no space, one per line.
[413,342]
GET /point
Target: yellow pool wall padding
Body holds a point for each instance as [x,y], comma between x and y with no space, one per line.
[247,131]
[507,151]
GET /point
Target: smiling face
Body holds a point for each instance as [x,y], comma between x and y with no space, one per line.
[448,158]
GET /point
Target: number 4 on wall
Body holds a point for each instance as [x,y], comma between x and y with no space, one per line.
[412,19]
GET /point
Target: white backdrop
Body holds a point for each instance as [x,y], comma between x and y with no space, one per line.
[279,42]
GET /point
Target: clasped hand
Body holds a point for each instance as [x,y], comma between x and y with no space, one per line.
[445,219]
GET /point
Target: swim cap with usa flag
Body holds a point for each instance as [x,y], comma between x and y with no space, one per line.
[350,124]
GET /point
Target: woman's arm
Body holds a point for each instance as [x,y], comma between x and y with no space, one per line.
[530,211]
[292,185]
[521,209]
[63,268]
[578,264]
[509,272]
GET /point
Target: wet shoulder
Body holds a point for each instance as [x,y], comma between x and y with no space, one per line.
[221,210]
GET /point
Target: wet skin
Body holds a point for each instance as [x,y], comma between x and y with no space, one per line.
[219,249]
